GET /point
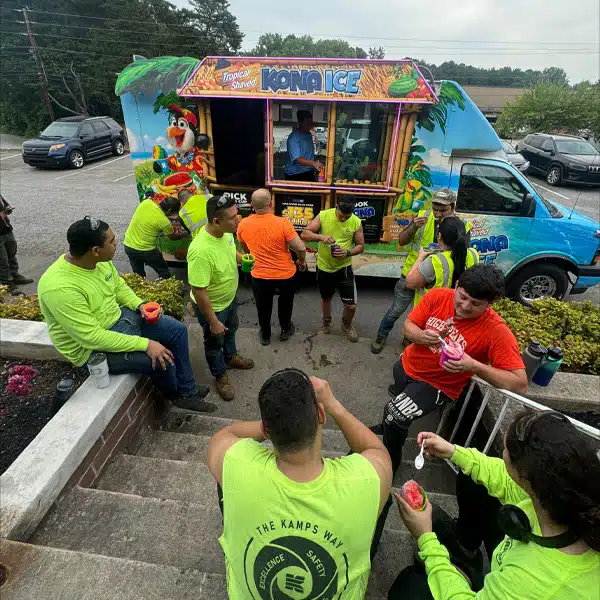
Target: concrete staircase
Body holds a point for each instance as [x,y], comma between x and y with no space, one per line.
[150,528]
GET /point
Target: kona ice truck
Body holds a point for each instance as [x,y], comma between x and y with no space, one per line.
[388,138]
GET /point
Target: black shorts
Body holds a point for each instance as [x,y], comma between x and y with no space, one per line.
[341,280]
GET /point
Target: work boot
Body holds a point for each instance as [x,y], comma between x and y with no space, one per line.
[286,334]
[326,329]
[239,362]
[349,330]
[19,279]
[194,403]
[378,344]
[225,388]
[264,340]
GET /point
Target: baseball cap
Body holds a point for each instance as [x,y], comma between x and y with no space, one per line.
[444,196]
[216,203]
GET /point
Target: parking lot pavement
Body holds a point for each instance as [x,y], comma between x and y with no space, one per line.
[47,201]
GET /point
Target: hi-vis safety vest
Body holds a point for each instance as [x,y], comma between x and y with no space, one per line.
[424,236]
[443,266]
[193,213]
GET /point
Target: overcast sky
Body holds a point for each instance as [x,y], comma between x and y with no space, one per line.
[543,33]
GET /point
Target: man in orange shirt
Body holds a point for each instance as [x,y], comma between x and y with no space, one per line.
[269,239]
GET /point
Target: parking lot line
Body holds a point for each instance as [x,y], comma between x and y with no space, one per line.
[92,168]
[119,178]
[552,191]
[11,156]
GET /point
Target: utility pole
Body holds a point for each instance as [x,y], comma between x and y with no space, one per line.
[40,66]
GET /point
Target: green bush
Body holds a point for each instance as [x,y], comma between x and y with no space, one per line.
[167,292]
[574,326]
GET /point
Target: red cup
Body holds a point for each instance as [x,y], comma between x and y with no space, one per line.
[151,312]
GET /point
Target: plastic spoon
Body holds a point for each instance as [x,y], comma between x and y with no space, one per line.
[420,460]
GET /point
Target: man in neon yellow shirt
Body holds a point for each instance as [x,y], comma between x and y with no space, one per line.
[340,236]
[88,308]
[296,524]
[213,275]
[148,222]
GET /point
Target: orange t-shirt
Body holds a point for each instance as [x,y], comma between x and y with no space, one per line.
[487,339]
[267,237]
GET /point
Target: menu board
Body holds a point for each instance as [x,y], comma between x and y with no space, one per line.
[241,197]
[370,210]
[299,208]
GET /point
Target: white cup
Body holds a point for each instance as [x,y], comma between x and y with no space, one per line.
[98,368]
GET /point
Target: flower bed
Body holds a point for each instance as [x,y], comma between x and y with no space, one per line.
[574,326]
[26,393]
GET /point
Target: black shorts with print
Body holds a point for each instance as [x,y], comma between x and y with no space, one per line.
[341,280]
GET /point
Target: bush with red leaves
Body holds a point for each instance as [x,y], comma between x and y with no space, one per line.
[20,380]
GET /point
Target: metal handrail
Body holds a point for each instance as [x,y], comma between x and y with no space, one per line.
[509,397]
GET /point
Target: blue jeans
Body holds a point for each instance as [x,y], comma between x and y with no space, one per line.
[219,349]
[172,381]
[403,297]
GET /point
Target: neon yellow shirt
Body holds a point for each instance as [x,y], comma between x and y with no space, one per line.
[147,223]
[212,264]
[81,305]
[519,570]
[193,213]
[299,540]
[343,233]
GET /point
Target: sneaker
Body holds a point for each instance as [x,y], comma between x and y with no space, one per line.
[265,341]
[19,279]
[194,403]
[350,332]
[326,328]
[378,344]
[239,362]
[225,388]
[286,334]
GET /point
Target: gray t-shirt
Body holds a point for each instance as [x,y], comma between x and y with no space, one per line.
[426,269]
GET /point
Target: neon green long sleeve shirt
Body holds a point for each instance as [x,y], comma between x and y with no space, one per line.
[81,305]
[519,571]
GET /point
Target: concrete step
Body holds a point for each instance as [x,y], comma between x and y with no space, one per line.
[333,439]
[50,573]
[192,482]
[436,476]
[165,532]
[145,529]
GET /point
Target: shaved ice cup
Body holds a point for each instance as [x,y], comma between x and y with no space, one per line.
[451,350]
[414,495]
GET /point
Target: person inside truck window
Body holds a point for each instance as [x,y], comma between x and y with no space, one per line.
[442,267]
[301,163]
[544,509]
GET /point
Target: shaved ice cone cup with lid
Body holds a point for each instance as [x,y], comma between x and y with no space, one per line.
[451,351]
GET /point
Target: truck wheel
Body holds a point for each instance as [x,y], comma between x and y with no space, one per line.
[554,175]
[118,148]
[538,281]
[76,159]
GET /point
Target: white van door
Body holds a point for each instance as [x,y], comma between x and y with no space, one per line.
[501,208]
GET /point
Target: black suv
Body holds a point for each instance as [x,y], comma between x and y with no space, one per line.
[561,158]
[72,141]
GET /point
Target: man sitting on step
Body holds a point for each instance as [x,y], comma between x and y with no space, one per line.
[88,307]
[293,520]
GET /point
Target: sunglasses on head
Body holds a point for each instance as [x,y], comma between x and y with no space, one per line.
[94,223]
[523,427]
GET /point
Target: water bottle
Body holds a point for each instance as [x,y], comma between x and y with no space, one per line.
[548,368]
[65,388]
[533,357]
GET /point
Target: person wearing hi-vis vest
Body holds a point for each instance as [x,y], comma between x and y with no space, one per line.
[442,269]
[140,244]
[421,232]
[193,211]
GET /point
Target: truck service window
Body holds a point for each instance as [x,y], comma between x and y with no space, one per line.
[489,189]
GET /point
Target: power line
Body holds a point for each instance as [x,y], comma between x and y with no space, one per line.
[47,12]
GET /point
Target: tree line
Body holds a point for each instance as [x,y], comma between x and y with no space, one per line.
[84,45]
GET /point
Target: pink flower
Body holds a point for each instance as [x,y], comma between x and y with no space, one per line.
[25,371]
[18,385]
